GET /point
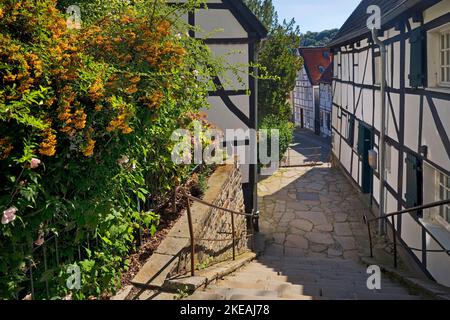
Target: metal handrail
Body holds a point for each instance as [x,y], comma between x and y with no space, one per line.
[394,230]
[191,228]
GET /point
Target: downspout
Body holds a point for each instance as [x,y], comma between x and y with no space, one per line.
[382,142]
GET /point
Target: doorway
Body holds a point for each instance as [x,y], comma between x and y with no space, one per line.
[365,144]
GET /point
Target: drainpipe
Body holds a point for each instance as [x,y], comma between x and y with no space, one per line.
[382,142]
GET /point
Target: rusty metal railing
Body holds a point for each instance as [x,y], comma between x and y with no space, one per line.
[192,238]
[368,222]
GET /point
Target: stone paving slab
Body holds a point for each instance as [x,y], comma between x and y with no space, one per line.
[312,211]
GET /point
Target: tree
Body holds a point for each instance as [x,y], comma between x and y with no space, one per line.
[265,11]
[277,57]
[318,39]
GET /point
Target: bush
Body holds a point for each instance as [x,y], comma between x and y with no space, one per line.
[85,123]
[286,131]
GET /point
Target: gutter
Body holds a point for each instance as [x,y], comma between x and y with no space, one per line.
[382,142]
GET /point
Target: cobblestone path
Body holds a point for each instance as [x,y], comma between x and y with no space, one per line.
[312,212]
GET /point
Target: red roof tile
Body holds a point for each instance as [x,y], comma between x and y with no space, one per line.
[317,60]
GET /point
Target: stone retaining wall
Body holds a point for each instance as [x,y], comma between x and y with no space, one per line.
[173,255]
[224,190]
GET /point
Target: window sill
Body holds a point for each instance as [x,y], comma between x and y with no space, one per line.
[441,233]
[439,89]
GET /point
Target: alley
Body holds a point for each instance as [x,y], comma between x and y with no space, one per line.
[313,212]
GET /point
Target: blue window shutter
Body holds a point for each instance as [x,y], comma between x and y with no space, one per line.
[361,139]
[351,129]
[418,68]
[413,182]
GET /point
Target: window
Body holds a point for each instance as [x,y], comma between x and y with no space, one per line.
[377,71]
[321,69]
[388,157]
[443,193]
[326,54]
[445,58]
[438,61]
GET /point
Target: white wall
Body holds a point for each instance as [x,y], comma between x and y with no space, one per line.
[368,109]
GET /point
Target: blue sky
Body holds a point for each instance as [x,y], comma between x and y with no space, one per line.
[316,15]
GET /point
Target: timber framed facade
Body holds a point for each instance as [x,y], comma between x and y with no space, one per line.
[326,102]
[308,112]
[417,37]
[233,32]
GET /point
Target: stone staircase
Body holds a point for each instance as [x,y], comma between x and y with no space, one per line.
[292,278]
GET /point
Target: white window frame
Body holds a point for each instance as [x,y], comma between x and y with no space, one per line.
[388,157]
[444,54]
[377,71]
[434,58]
[439,186]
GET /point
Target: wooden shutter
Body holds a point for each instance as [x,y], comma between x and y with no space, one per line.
[413,182]
[361,139]
[418,68]
[351,129]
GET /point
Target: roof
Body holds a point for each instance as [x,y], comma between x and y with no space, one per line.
[355,28]
[247,18]
[314,60]
[327,76]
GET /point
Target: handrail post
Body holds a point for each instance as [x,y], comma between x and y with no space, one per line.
[252,230]
[367,222]
[191,234]
[370,238]
[394,235]
[234,236]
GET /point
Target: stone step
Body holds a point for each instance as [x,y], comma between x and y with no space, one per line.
[266,277]
[306,261]
[280,264]
[385,296]
[290,297]
[227,293]
[243,278]
[207,296]
[309,276]
[300,276]
[276,267]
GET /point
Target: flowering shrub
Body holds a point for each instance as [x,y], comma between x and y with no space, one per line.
[85,123]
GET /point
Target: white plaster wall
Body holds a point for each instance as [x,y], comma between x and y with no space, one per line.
[218,23]
[438,264]
[431,136]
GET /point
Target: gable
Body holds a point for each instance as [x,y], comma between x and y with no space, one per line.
[315,62]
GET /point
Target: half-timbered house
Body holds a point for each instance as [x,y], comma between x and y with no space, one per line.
[417,149]
[326,101]
[232,32]
[306,108]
